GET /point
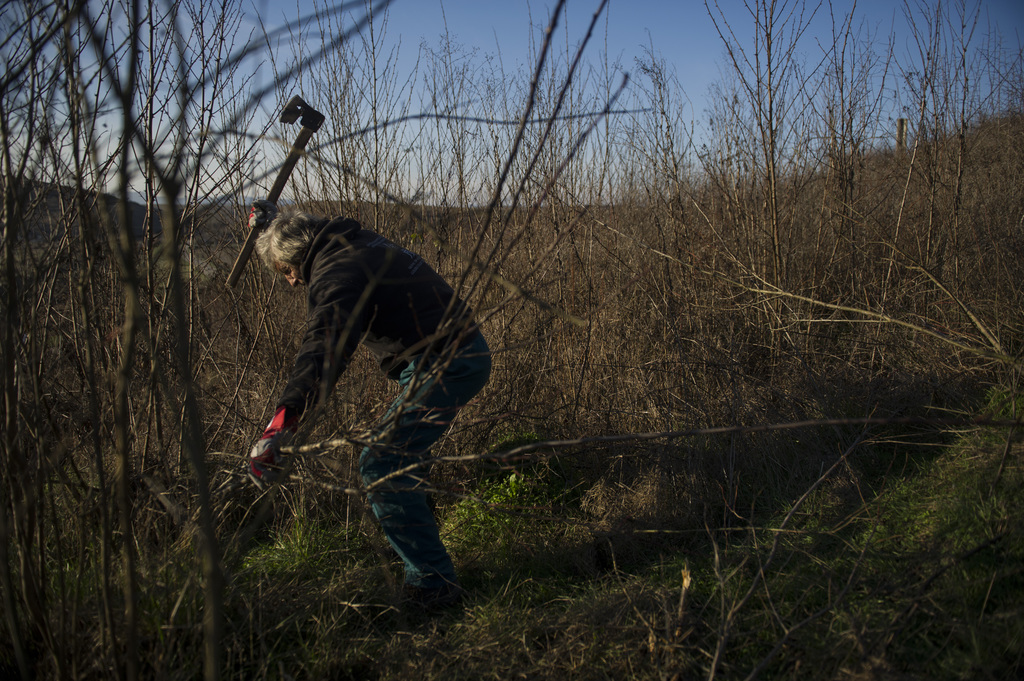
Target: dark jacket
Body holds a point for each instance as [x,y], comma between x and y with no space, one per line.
[363,288]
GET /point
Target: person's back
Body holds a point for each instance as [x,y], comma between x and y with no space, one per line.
[397,303]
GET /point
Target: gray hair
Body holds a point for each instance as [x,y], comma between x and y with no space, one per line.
[286,239]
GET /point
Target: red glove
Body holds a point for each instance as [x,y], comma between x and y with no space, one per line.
[266,459]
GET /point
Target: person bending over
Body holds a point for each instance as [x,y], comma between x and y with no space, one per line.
[362,288]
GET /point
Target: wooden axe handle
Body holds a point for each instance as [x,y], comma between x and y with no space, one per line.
[297,150]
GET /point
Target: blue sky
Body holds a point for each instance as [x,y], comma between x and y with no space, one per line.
[680,31]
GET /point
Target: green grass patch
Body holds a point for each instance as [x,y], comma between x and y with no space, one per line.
[514,522]
[924,577]
[302,547]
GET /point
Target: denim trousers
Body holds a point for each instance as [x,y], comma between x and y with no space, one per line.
[395,465]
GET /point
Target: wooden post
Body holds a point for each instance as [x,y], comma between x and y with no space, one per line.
[901,134]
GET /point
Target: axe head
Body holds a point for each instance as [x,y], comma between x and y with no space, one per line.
[297,109]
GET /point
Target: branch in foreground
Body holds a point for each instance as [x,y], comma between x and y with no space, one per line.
[980,422]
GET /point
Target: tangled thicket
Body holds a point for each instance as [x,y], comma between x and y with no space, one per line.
[798,265]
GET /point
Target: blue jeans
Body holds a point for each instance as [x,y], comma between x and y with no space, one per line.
[430,398]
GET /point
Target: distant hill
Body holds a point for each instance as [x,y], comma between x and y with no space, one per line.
[53,208]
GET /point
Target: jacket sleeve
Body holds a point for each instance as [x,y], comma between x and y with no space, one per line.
[336,321]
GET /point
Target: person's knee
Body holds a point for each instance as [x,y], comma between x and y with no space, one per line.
[391,470]
[372,466]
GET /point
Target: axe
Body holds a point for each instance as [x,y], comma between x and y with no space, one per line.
[311,119]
